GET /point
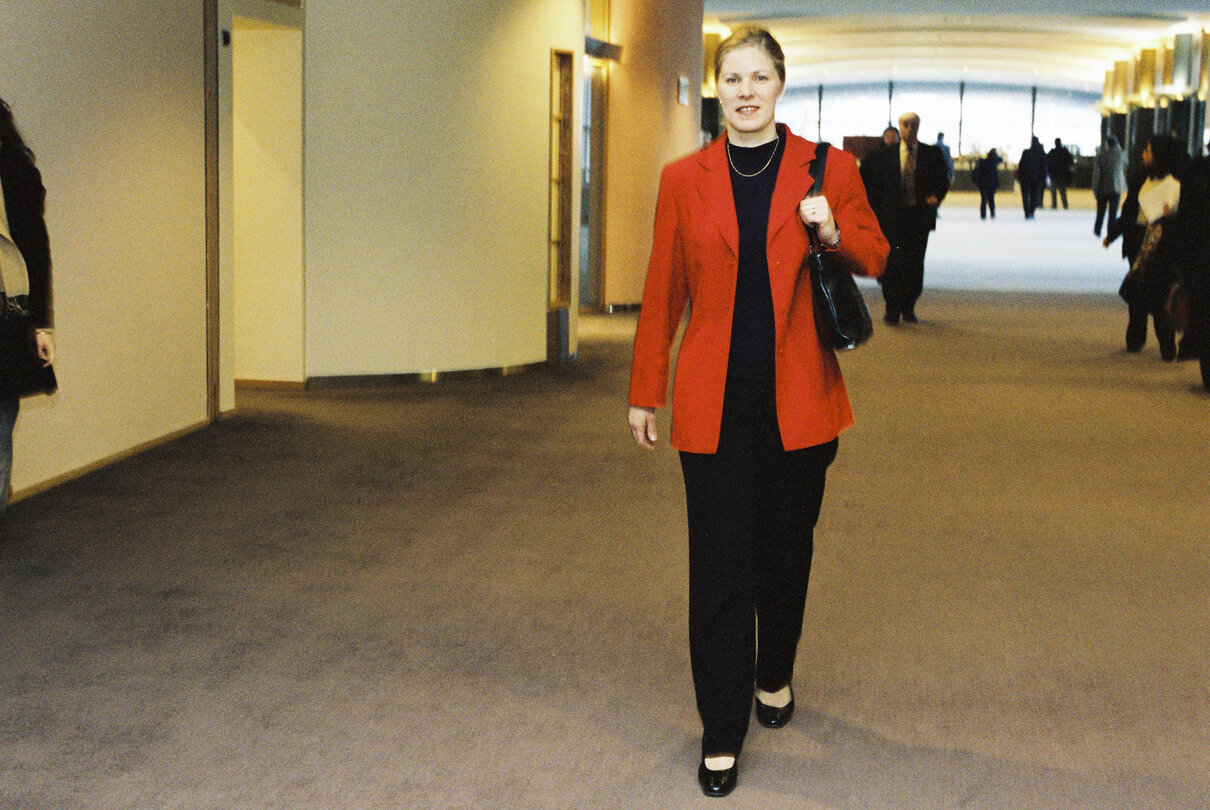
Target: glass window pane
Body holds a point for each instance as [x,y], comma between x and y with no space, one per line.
[991,116]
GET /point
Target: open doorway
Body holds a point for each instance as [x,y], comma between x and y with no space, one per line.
[255,277]
[592,209]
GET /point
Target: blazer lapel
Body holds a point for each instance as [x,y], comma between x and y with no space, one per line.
[793,183]
[714,186]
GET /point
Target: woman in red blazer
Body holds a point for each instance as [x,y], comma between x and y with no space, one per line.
[758,402]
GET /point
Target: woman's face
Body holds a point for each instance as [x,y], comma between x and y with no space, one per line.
[748,89]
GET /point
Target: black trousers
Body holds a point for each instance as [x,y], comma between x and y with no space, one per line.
[752,511]
[1031,197]
[1057,190]
[1106,201]
[987,201]
[1136,327]
[903,281]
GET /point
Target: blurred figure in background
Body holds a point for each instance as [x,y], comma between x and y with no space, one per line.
[1153,244]
[986,176]
[1108,180]
[905,184]
[1199,266]
[1194,214]
[1058,166]
[1031,175]
[944,148]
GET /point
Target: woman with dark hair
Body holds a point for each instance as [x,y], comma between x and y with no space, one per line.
[1151,244]
[758,401]
[24,266]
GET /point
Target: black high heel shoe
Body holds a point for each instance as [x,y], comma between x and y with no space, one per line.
[774,716]
[717,783]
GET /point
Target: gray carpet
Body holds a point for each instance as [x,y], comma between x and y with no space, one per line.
[473,594]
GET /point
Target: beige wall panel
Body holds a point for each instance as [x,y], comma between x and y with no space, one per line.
[647,128]
[110,95]
[427,132]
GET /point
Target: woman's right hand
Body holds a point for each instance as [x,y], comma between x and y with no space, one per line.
[642,426]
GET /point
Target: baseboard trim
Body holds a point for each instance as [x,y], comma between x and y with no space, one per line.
[122,455]
[429,377]
[277,385]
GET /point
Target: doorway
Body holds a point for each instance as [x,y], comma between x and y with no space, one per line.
[562,183]
[592,209]
[255,306]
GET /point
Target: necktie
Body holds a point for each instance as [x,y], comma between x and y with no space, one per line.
[909,177]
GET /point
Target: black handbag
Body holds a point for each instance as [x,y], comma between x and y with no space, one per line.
[841,316]
[22,372]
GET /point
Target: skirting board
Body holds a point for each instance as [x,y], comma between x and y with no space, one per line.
[122,455]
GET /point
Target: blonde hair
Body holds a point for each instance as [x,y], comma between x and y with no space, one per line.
[751,35]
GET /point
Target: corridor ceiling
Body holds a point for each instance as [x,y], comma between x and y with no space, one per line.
[1067,44]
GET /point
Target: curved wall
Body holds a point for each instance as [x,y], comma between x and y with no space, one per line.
[647,128]
[426,187]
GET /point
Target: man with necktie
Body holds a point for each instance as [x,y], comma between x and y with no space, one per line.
[905,183]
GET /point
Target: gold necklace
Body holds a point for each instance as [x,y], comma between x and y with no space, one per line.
[768,163]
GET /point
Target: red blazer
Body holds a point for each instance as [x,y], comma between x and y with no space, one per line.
[694,261]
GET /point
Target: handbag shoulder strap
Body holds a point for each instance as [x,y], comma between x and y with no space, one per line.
[818,164]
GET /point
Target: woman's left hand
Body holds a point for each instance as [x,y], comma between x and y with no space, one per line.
[816,212]
[46,347]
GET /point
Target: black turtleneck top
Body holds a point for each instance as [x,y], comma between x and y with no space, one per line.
[752,333]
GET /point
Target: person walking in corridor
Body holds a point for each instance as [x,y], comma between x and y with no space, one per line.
[1059,163]
[986,176]
[1031,176]
[1153,244]
[905,184]
[758,400]
[1108,180]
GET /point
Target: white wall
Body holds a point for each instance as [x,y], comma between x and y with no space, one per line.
[109,94]
[427,132]
[267,194]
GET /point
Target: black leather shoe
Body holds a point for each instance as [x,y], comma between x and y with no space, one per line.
[717,783]
[909,317]
[774,716]
[890,320]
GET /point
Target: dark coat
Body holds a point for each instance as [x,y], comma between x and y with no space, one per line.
[1058,165]
[1196,212]
[1167,262]
[986,174]
[1126,225]
[25,204]
[884,185]
[1031,168]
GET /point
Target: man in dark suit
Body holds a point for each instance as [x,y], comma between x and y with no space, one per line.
[905,183]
